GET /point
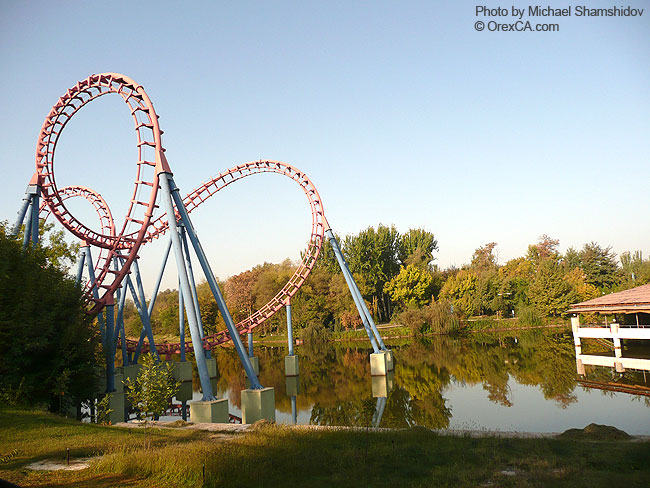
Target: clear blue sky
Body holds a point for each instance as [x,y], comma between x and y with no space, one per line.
[400,112]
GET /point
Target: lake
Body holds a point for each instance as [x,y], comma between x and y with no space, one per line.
[521,381]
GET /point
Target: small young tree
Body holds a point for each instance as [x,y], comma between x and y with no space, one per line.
[152,389]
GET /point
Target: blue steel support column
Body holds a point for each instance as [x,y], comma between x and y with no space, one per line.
[160,276]
[250,345]
[28,225]
[195,296]
[181,320]
[355,291]
[119,326]
[143,305]
[140,304]
[289,329]
[166,180]
[91,278]
[21,214]
[294,410]
[209,275]
[351,285]
[80,264]
[109,348]
[35,221]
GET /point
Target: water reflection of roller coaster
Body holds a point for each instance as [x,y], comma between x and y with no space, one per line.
[115,272]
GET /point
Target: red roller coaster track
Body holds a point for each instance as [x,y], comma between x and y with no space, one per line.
[126,243]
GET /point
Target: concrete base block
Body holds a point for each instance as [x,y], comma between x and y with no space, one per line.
[212,411]
[183,370]
[130,372]
[378,364]
[184,392]
[257,405]
[390,365]
[116,404]
[619,367]
[119,383]
[291,366]
[212,367]
[255,362]
[382,385]
[293,385]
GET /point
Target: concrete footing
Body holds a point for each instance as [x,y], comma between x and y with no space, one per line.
[293,385]
[212,411]
[183,370]
[255,362]
[116,404]
[378,365]
[390,365]
[184,392]
[212,367]
[130,372]
[291,366]
[257,405]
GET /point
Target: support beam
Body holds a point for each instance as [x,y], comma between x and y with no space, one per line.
[209,275]
[167,199]
[352,286]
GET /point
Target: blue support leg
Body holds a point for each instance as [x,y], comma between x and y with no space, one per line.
[35,220]
[209,275]
[195,296]
[160,276]
[93,283]
[250,345]
[80,265]
[167,199]
[181,320]
[109,348]
[21,214]
[289,329]
[28,225]
[351,285]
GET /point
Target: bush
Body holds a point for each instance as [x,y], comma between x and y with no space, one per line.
[436,317]
[529,315]
[48,342]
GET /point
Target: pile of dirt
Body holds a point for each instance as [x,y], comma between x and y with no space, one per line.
[596,432]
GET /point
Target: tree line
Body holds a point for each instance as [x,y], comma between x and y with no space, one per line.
[400,282]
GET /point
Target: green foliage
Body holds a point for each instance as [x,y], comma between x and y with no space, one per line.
[460,289]
[598,263]
[416,247]
[437,317]
[153,388]
[48,342]
[103,410]
[412,287]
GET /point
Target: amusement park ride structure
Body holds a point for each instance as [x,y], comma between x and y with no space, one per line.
[116,268]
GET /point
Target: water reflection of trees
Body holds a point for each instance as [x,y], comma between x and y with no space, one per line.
[335,381]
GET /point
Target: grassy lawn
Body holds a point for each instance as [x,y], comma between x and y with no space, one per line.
[284,456]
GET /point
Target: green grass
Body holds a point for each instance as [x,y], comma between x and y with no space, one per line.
[284,456]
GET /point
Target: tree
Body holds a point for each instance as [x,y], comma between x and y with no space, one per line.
[153,388]
[48,342]
[373,254]
[411,287]
[417,247]
[460,289]
[598,263]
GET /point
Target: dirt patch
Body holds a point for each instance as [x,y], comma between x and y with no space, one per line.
[596,432]
[58,465]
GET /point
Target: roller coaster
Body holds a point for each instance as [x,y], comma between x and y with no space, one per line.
[156,209]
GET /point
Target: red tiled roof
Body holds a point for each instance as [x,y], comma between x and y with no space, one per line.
[627,301]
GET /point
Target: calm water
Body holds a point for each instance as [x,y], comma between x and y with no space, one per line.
[525,382]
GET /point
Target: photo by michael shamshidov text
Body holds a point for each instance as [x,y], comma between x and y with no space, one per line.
[570,11]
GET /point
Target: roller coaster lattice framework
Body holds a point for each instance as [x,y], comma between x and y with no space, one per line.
[116,268]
